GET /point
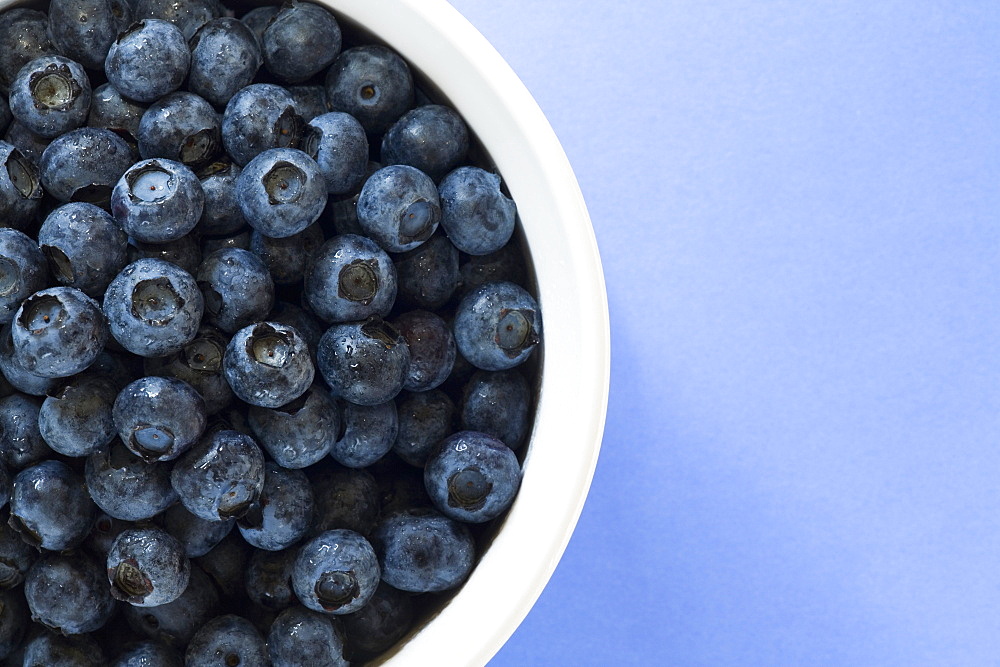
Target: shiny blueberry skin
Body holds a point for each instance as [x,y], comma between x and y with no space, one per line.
[227,640]
[363,362]
[372,83]
[225,57]
[476,215]
[281,191]
[23,271]
[344,498]
[176,622]
[368,434]
[428,275]
[288,258]
[351,278]
[51,95]
[159,418]
[14,617]
[157,200]
[20,188]
[425,418]
[55,650]
[58,332]
[220,477]
[146,567]
[148,654]
[195,534]
[185,252]
[300,433]
[148,60]
[379,624]
[237,287]
[50,506]
[26,34]
[188,15]
[399,207]
[200,365]
[85,164]
[153,308]
[22,443]
[125,486]
[336,572]
[181,126]
[268,364]
[221,214]
[85,29]
[422,551]
[111,111]
[433,138]
[497,326]
[283,512]
[84,245]
[301,40]
[338,143]
[259,117]
[16,557]
[299,636]
[269,578]
[498,403]
[68,593]
[15,374]
[76,419]
[472,477]
[432,349]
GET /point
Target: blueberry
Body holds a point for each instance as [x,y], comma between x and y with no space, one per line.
[498,403]
[16,557]
[310,102]
[372,83]
[258,117]
[200,365]
[338,142]
[227,640]
[185,252]
[300,433]
[300,320]
[159,418]
[497,326]
[180,126]
[472,477]
[336,572]
[299,41]
[25,36]
[84,245]
[85,29]
[429,274]
[220,477]
[176,622]
[15,374]
[84,165]
[147,567]
[288,258]
[50,95]
[350,278]
[153,308]
[433,138]
[50,506]
[299,636]
[58,332]
[432,349]
[157,200]
[281,192]
[125,486]
[188,15]
[268,364]
[269,578]
[425,419]
[368,434]
[23,271]
[237,287]
[54,650]
[476,215]
[378,625]
[221,214]
[68,593]
[195,534]
[399,207]
[148,654]
[283,512]
[344,498]
[422,551]
[363,362]
[20,188]
[75,420]
[225,57]
[14,621]
[111,111]
[30,144]
[148,60]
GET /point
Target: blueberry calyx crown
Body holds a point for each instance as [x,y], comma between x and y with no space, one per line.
[39,312]
[155,301]
[236,502]
[516,331]
[337,588]
[54,87]
[283,183]
[27,533]
[417,222]
[128,583]
[59,263]
[288,128]
[151,442]
[199,147]
[358,281]
[269,346]
[378,329]
[150,183]
[23,176]
[10,276]
[468,489]
[204,355]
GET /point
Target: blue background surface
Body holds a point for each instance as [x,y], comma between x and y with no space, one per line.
[797,207]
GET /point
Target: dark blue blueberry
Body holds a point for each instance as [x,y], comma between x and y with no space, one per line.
[237,287]
[472,477]
[50,95]
[225,57]
[310,101]
[363,362]
[222,214]
[195,534]
[147,567]
[188,15]
[300,433]
[153,308]
[200,365]
[268,364]
[58,332]
[288,258]
[111,111]
[14,621]
[338,142]
[185,252]
[148,60]
[498,403]
[299,636]
[301,40]
[227,640]
[15,374]
[226,565]
[283,512]
[157,200]
[350,278]
[50,506]
[367,434]
[20,188]
[148,654]
[428,275]
[269,578]
[68,593]
[372,83]
[54,650]
[30,144]
[344,498]
[433,138]
[423,551]
[220,477]
[425,419]
[85,29]
[336,572]
[159,418]
[281,192]
[399,207]
[85,247]
[432,349]
[125,486]
[183,127]
[75,420]
[497,326]
[302,321]
[23,271]
[16,557]
[25,34]
[21,443]
[476,215]
[506,264]
[259,117]
[84,165]
[257,19]
[176,622]
[378,625]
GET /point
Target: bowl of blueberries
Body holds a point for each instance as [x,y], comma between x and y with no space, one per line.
[275,387]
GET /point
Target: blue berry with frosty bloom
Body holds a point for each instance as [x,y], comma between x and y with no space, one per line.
[478,218]
[148,60]
[399,207]
[268,364]
[51,95]
[84,245]
[350,278]
[497,326]
[146,567]
[159,418]
[157,200]
[336,572]
[58,332]
[281,191]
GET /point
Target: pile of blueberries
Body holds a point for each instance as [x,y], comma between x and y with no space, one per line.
[263,327]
